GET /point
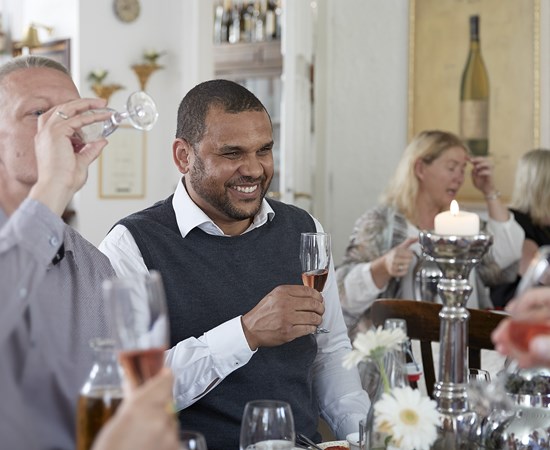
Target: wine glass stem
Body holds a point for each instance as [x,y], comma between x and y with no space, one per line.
[118,117]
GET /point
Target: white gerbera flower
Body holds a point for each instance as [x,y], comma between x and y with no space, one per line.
[410,418]
[373,344]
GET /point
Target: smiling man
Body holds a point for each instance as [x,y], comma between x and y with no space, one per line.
[230,264]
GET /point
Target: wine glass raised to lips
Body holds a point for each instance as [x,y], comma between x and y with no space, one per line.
[141,112]
[267,425]
[315,258]
[140,322]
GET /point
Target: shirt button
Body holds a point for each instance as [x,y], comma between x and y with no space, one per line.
[54,241]
[23,292]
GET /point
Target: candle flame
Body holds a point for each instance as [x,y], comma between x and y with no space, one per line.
[454,208]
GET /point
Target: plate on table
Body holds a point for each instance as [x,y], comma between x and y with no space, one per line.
[338,445]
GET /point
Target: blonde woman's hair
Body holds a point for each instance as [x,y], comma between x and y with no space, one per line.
[427,146]
[531,193]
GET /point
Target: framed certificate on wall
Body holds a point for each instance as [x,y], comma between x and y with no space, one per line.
[122,164]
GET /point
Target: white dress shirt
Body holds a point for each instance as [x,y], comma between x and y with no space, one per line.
[199,364]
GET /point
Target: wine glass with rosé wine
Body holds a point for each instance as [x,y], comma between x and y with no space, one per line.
[315,258]
[140,322]
[536,275]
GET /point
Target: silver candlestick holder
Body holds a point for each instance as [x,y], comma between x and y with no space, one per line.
[455,256]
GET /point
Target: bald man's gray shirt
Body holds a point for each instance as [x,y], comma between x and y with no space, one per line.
[48,314]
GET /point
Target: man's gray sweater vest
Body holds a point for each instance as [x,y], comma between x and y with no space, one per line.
[212,279]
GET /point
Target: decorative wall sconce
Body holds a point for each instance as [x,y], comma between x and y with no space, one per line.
[30,38]
[102,90]
[145,70]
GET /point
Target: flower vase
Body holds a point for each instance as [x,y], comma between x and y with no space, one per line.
[390,372]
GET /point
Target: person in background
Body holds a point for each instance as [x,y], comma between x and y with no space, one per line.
[532,306]
[144,419]
[50,276]
[531,208]
[230,262]
[383,247]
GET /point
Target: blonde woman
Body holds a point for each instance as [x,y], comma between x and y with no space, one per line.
[380,257]
[531,207]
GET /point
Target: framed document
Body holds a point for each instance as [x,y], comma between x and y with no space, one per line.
[122,164]
[509,39]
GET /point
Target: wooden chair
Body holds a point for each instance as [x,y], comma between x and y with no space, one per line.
[423,324]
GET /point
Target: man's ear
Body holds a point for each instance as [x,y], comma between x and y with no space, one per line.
[182,154]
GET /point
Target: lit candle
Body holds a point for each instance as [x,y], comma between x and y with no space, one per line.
[456,223]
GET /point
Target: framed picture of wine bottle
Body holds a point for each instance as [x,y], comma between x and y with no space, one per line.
[474,70]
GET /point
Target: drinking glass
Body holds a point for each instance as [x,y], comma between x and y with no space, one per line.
[192,440]
[478,375]
[141,112]
[140,322]
[267,425]
[315,257]
[537,274]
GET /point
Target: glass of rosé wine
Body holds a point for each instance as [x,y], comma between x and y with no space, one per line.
[522,330]
[315,258]
[140,321]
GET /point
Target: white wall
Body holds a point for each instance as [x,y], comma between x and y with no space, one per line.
[361,111]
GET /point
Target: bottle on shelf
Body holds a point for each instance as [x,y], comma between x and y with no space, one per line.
[260,7]
[247,15]
[270,21]
[235,25]
[474,96]
[100,395]
[218,17]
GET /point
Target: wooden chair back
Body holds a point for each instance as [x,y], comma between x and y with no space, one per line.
[423,325]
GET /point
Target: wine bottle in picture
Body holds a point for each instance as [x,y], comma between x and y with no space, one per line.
[474,97]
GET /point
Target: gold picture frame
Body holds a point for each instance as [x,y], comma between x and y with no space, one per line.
[510,41]
[122,170]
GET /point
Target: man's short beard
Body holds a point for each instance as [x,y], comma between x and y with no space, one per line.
[198,179]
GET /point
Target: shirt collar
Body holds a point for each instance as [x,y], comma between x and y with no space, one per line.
[189,215]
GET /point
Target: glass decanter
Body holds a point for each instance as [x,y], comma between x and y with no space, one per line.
[100,395]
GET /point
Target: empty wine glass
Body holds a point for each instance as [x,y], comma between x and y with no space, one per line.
[267,425]
[141,112]
[140,322]
[478,375]
[192,440]
[538,272]
[315,258]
